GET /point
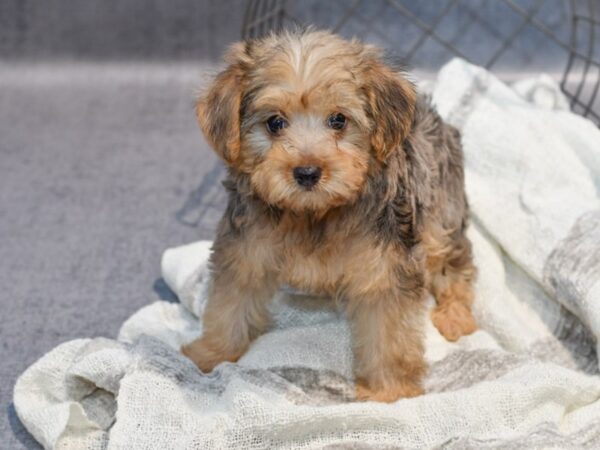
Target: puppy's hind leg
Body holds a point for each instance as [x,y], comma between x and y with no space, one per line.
[451,278]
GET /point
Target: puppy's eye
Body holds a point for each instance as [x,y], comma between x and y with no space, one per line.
[337,121]
[275,124]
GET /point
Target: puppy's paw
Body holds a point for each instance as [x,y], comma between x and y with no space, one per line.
[453,320]
[205,356]
[388,394]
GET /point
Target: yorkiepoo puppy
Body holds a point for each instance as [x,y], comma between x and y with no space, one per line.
[342,181]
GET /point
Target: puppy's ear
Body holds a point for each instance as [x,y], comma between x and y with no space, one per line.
[218,109]
[391,106]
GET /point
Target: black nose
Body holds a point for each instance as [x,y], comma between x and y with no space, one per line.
[307,176]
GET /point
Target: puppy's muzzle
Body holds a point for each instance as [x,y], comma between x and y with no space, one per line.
[307,176]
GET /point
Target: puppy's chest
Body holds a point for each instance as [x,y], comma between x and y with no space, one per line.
[328,265]
[315,269]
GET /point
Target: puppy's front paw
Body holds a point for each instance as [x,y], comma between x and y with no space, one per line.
[453,320]
[205,355]
[403,389]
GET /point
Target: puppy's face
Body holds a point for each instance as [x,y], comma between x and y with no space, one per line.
[306,116]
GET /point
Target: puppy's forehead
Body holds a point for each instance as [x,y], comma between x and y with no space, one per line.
[310,69]
[308,62]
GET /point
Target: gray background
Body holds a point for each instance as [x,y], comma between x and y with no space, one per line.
[102,166]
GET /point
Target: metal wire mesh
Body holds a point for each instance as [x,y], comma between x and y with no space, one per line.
[511,37]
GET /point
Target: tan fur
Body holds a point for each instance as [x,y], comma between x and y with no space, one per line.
[384,223]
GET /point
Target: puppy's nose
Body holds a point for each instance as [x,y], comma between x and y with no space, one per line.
[307,176]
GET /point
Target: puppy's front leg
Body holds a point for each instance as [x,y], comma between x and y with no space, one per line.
[388,344]
[237,308]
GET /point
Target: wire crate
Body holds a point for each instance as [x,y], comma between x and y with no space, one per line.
[511,37]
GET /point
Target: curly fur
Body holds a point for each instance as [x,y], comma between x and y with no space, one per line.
[385,224]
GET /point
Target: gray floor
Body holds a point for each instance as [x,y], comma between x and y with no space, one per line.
[101,169]
[102,165]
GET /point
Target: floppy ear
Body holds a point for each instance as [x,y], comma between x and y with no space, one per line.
[218,109]
[391,106]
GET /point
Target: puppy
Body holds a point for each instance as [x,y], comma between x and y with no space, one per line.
[342,181]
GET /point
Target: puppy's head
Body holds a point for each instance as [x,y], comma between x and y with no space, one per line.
[306,116]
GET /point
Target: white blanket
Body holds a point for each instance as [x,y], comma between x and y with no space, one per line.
[528,378]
